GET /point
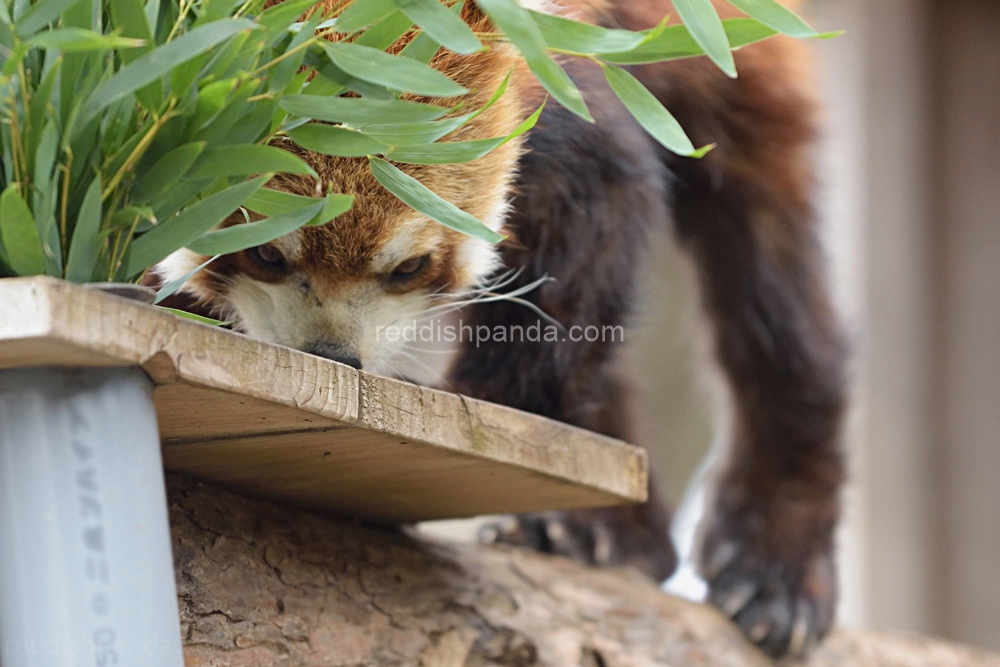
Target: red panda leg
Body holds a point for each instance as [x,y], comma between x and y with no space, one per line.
[633,535]
[587,195]
[745,212]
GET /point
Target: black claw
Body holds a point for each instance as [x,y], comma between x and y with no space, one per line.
[772,607]
[588,537]
[803,629]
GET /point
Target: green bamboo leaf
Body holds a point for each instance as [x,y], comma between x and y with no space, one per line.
[45,198]
[19,7]
[221,124]
[270,202]
[519,26]
[200,319]
[85,247]
[417,196]
[142,217]
[282,73]
[228,161]
[159,62]
[175,233]
[359,111]
[568,35]
[274,202]
[452,152]
[120,139]
[333,81]
[705,26]
[649,113]
[334,205]
[152,10]
[255,124]
[42,98]
[173,200]
[775,15]
[40,15]
[676,42]
[442,25]
[424,47]
[45,155]
[252,234]
[77,76]
[277,19]
[14,58]
[174,285]
[20,235]
[7,46]
[80,40]
[165,173]
[395,72]
[421,48]
[182,77]
[242,53]
[5,270]
[211,100]
[129,20]
[385,33]
[447,152]
[336,141]
[326,82]
[408,134]
[363,13]
[355,85]
[213,10]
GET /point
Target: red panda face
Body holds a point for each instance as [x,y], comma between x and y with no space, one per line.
[332,290]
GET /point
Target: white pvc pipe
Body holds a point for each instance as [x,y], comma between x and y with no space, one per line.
[86,570]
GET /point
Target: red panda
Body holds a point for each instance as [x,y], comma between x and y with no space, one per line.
[578,201]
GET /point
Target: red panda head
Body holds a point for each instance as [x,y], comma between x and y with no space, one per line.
[328,289]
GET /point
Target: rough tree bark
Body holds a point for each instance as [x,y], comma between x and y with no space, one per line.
[262,585]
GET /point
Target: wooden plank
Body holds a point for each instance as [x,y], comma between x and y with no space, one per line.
[477,428]
[297,428]
[191,413]
[357,472]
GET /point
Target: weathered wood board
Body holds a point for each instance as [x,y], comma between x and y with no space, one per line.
[292,427]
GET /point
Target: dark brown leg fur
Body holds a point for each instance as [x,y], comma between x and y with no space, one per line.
[587,195]
[745,212]
[636,535]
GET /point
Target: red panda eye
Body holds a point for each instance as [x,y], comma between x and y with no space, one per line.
[268,255]
[410,267]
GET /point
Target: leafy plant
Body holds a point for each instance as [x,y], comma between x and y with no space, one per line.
[132,128]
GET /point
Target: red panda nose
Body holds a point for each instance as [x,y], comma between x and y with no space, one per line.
[332,352]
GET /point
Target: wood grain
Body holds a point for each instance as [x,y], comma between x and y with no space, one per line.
[289,426]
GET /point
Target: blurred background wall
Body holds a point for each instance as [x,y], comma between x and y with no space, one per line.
[910,173]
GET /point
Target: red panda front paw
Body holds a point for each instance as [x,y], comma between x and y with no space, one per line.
[594,537]
[784,605]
